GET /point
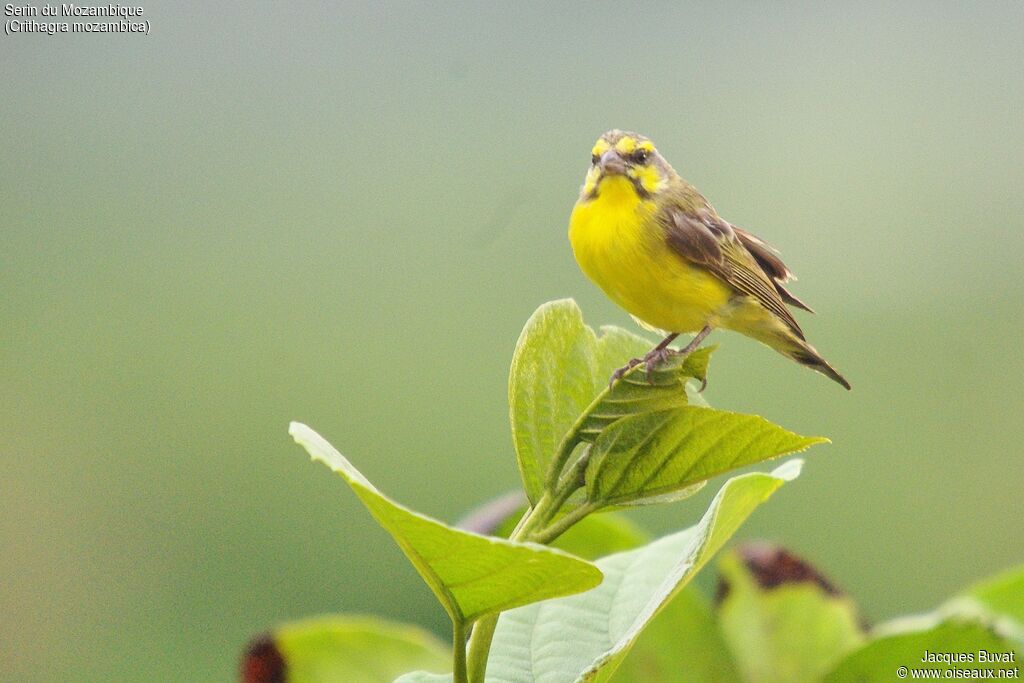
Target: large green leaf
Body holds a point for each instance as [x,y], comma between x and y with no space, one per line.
[472,575]
[666,452]
[905,643]
[585,637]
[337,648]
[782,620]
[682,644]
[558,367]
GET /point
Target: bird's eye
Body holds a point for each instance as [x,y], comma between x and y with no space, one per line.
[641,156]
[595,158]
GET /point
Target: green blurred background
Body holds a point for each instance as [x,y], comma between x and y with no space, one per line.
[267,211]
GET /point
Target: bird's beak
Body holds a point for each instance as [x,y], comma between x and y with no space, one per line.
[612,164]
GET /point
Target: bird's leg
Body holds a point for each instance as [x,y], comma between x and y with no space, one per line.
[660,352]
[690,348]
[658,355]
[695,342]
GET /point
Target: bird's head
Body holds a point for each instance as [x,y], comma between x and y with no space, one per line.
[624,162]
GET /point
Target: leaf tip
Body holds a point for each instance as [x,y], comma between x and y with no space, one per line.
[306,437]
[806,442]
[295,429]
[320,450]
[789,470]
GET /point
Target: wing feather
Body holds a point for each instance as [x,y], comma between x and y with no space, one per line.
[768,258]
[739,258]
[765,255]
[791,298]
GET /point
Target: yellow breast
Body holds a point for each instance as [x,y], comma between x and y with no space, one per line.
[619,244]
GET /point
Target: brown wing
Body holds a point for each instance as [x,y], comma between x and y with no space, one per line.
[765,255]
[772,265]
[708,241]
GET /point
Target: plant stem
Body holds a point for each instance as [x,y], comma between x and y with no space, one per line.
[480,647]
[574,479]
[536,516]
[534,526]
[483,630]
[562,524]
[459,651]
[568,443]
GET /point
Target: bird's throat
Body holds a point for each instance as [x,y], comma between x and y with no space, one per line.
[618,190]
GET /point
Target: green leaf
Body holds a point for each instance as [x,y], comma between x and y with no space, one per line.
[638,392]
[471,575]
[1002,594]
[661,498]
[559,365]
[665,453]
[903,643]
[783,621]
[585,637]
[559,394]
[682,644]
[336,648]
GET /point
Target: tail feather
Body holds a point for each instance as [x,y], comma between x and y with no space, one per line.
[807,355]
[750,318]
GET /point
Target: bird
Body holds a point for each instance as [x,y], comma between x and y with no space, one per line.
[659,250]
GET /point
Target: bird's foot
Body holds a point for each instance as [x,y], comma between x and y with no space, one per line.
[651,362]
[659,354]
[655,358]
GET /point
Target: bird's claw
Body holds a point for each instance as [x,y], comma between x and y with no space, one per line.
[617,375]
[655,358]
[651,362]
